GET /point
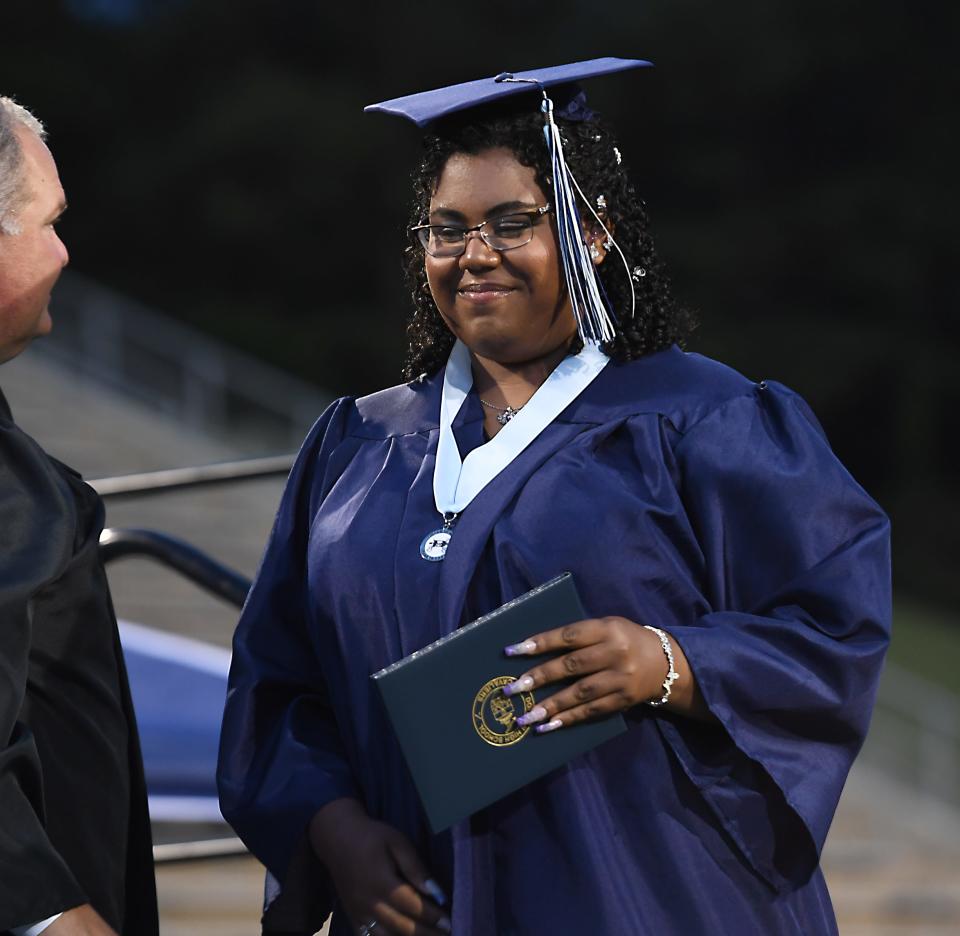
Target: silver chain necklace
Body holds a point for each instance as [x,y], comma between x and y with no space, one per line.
[504,413]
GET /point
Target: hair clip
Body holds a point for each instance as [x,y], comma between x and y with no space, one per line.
[617,156]
[638,274]
[601,201]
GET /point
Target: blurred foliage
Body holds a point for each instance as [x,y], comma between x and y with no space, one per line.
[926,642]
[796,157]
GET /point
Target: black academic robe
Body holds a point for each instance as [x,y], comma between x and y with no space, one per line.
[74,826]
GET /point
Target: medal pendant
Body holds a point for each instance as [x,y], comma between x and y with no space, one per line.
[434,545]
[508,414]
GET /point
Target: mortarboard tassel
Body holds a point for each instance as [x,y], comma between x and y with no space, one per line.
[594,319]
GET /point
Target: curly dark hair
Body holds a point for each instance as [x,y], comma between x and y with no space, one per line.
[593,157]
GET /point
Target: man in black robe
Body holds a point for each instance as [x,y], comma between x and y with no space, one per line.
[75,850]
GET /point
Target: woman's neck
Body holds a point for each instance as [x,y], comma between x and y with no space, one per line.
[510,385]
[513,384]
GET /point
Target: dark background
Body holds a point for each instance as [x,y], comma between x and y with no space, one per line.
[797,157]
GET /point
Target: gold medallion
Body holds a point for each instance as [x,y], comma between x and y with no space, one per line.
[495,714]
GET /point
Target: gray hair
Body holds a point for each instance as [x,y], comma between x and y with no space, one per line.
[12,191]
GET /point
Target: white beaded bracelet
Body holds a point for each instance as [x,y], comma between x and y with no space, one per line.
[672,674]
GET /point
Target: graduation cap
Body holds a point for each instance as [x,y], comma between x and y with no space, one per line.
[595,320]
[428,106]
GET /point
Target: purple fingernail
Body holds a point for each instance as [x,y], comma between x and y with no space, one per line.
[537,713]
[549,726]
[520,685]
[521,649]
[435,891]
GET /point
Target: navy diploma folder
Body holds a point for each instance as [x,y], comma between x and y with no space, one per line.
[458,730]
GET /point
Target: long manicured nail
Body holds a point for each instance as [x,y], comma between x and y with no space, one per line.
[521,685]
[521,649]
[436,892]
[537,713]
[444,925]
[549,726]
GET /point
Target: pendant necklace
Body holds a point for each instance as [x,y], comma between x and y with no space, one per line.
[434,545]
[456,481]
[504,413]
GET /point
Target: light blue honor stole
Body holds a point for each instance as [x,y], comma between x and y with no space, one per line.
[456,481]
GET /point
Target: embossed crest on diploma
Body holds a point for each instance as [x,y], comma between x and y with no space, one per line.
[495,714]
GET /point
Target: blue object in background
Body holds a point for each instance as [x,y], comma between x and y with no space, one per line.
[178,686]
[117,12]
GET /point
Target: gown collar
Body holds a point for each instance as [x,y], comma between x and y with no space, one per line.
[456,480]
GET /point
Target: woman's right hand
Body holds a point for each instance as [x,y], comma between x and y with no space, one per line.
[377,873]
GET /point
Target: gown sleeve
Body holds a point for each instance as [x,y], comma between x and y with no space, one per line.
[37,542]
[788,655]
[281,755]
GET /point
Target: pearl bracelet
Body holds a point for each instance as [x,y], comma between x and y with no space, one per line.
[672,674]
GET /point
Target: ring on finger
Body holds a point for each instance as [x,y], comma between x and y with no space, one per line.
[367,928]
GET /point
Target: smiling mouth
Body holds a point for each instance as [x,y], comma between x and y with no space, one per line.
[484,292]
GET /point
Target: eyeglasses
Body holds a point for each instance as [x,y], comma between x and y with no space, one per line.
[504,233]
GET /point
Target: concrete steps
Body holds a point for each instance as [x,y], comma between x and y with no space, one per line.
[101,434]
[892,862]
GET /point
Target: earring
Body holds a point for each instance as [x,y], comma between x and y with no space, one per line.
[608,244]
[594,252]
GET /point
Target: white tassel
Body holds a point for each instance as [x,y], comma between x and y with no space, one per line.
[594,320]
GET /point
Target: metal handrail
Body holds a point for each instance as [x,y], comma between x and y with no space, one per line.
[176,369]
[197,850]
[158,482]
[214,577]
[179,555]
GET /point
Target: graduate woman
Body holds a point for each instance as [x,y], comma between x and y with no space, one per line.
[736,576]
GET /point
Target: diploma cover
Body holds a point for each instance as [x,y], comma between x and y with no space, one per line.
[458,730]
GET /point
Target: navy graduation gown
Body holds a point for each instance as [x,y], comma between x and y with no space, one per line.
[681,495]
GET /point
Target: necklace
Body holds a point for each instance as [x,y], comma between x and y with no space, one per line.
[504,413]
[456,482]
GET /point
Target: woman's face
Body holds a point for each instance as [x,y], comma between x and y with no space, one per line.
[510,307]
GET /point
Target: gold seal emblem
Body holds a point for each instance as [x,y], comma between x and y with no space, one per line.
[495,714]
